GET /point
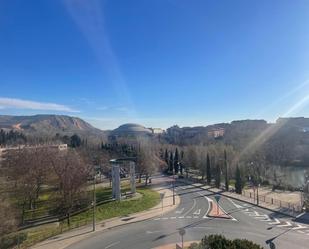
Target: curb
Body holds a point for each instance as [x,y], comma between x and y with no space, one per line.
[227,216]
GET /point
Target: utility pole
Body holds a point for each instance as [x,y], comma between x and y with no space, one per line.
[256,182]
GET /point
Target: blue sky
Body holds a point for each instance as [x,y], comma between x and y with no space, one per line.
[155,62]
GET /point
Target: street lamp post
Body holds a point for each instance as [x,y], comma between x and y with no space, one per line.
[256,183]
[257,194]
[93,201]
[173,182]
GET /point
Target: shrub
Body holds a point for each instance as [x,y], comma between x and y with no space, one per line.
[220,242]
[12,240]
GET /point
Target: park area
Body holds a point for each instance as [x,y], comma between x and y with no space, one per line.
[107,208]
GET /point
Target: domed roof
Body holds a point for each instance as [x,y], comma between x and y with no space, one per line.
[131,129]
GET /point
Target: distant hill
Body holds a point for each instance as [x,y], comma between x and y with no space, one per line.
[50,125]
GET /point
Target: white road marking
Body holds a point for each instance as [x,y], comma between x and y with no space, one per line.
[208,201]
[276,222]
[236,205]
[197,212]
[179,211]
[288,224]
[299,227]
[113,244]
[264,217]
[173,217]
[151,232]
[194,204]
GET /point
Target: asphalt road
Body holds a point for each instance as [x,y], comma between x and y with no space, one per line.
[247,221]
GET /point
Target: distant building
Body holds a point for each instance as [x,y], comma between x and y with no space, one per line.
[157,130]
[60,147]
[131,130]
[216,133]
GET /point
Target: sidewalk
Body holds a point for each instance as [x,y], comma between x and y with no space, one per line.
[64,240]
[173,245]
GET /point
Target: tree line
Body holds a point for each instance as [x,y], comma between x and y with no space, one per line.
[11,138]
[30,172]
[211,163]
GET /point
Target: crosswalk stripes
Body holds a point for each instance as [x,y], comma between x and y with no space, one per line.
[287,224]
[274,221]
[299,227]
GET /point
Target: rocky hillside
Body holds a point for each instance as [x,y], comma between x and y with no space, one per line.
[49,125]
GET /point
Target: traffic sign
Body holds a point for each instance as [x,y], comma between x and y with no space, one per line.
[182,231]
[178,246]
[217,197]
[162,195]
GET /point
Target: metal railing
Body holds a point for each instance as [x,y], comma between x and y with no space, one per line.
[291,207]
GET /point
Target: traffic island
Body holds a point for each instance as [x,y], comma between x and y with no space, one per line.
[216,211]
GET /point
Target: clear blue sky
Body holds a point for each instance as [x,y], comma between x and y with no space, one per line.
[155,62]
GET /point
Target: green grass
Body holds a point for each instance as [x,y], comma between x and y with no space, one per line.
[148,199]
[109,210]
[232,182]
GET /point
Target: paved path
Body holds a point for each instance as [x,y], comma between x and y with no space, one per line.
[248,221]
[68,238]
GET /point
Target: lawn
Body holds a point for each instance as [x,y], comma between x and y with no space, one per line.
[149,198]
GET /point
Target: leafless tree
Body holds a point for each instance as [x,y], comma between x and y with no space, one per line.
[148,160]
[26,171]
[8,215]
[71,173]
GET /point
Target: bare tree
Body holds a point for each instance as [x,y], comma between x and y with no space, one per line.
[148,160]
[71,178]
[8,215]
[26,172]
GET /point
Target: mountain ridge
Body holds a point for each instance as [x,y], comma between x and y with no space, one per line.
[50,125]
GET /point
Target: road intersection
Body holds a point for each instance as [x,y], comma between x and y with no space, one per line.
[245,221]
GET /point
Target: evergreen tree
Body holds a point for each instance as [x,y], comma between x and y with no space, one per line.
[181,162]
[171,162]
[75,141]
[226,172]
[166,157]
[218,176]
[11,137]
[182,155]
[208,171]
[238,181]
[176,161]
